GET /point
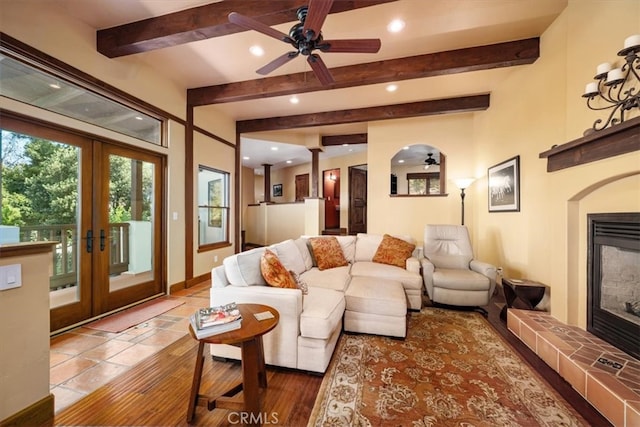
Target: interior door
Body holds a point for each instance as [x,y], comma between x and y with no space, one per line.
[302,187]
[357,200]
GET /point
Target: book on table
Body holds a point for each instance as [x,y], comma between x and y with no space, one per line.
[213,330]
[209,321]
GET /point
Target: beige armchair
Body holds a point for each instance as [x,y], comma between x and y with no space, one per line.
[451,275]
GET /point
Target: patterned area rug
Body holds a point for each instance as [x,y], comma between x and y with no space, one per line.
[451,370]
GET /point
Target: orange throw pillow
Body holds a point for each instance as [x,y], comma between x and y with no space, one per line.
[393,251]
[327,252]
[274,273]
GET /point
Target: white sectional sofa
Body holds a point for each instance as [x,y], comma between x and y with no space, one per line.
[310,324]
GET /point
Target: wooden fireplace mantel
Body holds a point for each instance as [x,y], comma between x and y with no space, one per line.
[619,139]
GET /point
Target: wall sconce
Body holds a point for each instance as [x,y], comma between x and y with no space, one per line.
[616,86]
[462,184]
[332,177]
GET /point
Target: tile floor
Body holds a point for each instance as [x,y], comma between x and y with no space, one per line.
[82,359]
[606,377]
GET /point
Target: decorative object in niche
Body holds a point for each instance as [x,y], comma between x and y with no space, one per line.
[504,186]
[277,190]
[617,89]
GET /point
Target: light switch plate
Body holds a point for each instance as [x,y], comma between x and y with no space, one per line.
[10,276]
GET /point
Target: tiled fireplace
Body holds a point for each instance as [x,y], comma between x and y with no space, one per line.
[606,377]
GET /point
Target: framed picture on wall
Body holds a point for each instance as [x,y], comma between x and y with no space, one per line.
[277,190]
[504,186]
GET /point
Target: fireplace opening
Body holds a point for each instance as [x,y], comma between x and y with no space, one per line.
[613,299]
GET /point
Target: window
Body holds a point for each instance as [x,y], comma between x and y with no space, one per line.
[213,206]
[423,183]
[58,93]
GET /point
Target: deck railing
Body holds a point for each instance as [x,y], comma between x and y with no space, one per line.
[65,253]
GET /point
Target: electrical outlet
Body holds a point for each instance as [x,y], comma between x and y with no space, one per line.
[215,258]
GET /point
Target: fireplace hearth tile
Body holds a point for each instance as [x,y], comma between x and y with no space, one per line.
[612,385]
[632,413]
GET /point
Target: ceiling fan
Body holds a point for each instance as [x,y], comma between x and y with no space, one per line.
[430,161]
[306,37]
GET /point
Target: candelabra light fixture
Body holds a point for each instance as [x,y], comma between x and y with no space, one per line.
[616,88]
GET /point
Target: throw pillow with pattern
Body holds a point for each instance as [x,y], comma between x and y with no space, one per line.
[274,273]
[393,251]
[327,252]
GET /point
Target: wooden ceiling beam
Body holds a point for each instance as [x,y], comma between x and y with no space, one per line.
[397,111]
[356,138]
[203,22]
[487,57]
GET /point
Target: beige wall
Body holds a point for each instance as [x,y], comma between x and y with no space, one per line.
[539,106]
[24,333]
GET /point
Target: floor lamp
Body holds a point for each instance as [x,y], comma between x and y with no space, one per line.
[462,184]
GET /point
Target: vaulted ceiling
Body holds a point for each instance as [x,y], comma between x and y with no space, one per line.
[448,58]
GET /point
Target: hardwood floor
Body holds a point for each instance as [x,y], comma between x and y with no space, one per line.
[156,391]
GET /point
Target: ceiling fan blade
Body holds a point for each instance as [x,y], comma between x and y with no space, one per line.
[252,24]
[320,70]
[352,46]
[317,13]
[278,62]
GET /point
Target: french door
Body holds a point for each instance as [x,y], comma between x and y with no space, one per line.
[102,205]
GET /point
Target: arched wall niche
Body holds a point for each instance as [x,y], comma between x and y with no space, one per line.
[418,170]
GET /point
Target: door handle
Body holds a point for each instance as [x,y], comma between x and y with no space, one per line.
[101,240]
[89,239]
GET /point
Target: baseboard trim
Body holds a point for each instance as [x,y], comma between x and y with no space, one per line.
[40,413]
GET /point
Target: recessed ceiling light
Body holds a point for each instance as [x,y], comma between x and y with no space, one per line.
[406,147]
[139,118]
[294,100]
[289,161]
[392,88]
[246,158]
[274,148]
[396,26]
[54,85]
[256,50]
[345,145]
[401,161]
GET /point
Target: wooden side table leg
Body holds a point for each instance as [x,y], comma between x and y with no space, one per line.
[195,385]
[251,390]
[262,371]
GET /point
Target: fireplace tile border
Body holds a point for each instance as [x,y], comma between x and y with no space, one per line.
[574,353]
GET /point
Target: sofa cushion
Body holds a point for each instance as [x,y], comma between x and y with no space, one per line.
[393,251]
[301,243]
[274,273]
[327,252]
[374,295]
[409,279]
[335,278]
[348,245]
[289,255]
[322,311]
[243,269]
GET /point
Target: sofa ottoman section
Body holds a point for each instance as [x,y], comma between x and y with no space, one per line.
[375,306]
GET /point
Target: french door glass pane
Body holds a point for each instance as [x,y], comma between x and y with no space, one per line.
[40,199]
[131,219]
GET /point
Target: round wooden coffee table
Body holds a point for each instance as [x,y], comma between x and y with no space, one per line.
[254,375]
